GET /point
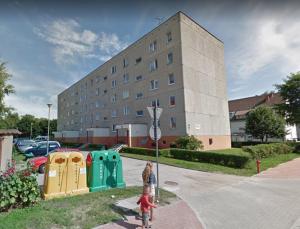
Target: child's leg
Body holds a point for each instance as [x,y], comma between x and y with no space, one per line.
[151,209]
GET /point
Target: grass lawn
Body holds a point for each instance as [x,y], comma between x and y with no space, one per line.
[83,211]
[249,170]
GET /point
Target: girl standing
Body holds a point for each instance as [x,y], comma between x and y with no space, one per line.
[150,180]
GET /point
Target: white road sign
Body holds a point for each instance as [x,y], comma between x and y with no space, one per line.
[158,112]
[151,132]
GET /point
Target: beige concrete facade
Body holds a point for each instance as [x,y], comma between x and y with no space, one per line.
[190,70]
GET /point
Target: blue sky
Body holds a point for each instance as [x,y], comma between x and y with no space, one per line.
[49,45]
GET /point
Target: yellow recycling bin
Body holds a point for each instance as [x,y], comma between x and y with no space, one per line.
[55,175]
[76,182]
[65,174]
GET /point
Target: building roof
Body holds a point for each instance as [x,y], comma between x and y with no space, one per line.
[269,99]
[5,132]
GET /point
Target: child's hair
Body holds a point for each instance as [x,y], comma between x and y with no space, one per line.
[146,172]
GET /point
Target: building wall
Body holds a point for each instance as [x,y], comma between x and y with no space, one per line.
[205,93]
[5,151]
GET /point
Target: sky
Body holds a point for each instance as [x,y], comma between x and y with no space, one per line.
[49,45]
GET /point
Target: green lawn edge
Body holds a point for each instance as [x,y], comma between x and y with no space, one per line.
[249,170]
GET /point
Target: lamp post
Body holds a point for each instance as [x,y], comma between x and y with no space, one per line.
[49,106]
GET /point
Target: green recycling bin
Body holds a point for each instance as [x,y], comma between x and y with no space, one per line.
[96,170]
[114,170]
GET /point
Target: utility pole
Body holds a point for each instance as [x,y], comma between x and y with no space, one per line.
[156,147]
[49,106]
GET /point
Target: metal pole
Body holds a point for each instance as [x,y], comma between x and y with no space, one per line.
[49,106]
[156,146]
[30,130]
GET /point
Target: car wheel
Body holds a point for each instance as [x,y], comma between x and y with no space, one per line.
[42,168]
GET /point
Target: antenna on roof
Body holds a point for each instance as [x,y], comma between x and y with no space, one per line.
[159,20]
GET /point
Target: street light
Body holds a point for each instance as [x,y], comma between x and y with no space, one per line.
[49,106]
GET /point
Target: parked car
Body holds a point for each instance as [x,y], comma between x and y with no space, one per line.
[39,163]
[41,138]
[23,145]
[41,149]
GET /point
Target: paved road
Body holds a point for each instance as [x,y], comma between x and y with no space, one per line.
[229,202]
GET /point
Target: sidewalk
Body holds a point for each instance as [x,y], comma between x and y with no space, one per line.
[290,170]
[177,215]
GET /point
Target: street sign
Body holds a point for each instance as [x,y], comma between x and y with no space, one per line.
[158,112]
[151,132]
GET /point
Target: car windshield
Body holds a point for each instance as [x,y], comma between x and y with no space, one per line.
[26,142]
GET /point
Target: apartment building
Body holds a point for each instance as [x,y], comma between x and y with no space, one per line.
[178,65]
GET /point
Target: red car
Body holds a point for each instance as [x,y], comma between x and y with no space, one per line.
[38,163]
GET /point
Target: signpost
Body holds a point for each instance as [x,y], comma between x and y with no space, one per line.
[155,134]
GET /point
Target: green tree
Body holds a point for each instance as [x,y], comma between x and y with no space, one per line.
[9,120]
[189,143]
[5,88]
[290,93]
[24,125]
[264,123]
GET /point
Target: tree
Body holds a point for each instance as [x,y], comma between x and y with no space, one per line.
[5,88]
[290,93]
[9,120]
[264,123]
[24,125]
[189,143]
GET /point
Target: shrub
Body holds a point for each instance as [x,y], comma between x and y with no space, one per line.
[189,143]
[226,159]
[267,150]
[146,151]
[18,189]
[295,145]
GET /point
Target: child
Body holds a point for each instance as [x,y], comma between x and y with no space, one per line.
[145,207]
[150,180]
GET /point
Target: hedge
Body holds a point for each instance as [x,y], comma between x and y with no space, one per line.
[267,150]
[226,159]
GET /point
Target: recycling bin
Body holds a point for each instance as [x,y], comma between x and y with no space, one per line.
[114,170]
[96,170]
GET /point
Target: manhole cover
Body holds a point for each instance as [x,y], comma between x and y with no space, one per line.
[171,183]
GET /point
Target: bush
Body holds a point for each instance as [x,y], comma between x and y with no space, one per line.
[18,189]
[267,150]
[295,145]
[226,159]
[241,144]
[189,143]
[146,151]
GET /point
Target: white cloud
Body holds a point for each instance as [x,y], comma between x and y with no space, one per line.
[269,42]
[71,41]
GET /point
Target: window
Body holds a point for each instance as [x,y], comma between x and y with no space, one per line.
[153,84]
[113,98]
[105,78]
[97,104]
[171,79]
[126,78]
[113,128]
[114,113]
[92,82]
[169,37]
[97,79]
[153,46]
[139,95]
[113,83]
[97,91]
[173,122]
[138,78]
[153,65]
[172,100]
[140,113]
[125,94]
[138,60]
[97,117]
[153,102]
[105,91]
[126,110]
[125,63]
[170,58]
[113,69]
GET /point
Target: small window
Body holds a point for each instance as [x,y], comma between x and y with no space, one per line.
[138,60]
[105,92]
[114,113]
[170,58]
[97,104]
[92,82]
[173,122]
[169,37]
[172,100]
[126,110]
[139,95]
[153,65]
[113,69]
[138,78]
[125,62]
[153,84]
[97,91]
[171,79]
[126,78]
[139,113]
[113,83]
[105,77]
[125,94]
[210,141]
[97,117]
[153,46]
[104,118]
[113,128]
[153,102]
[113,98]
